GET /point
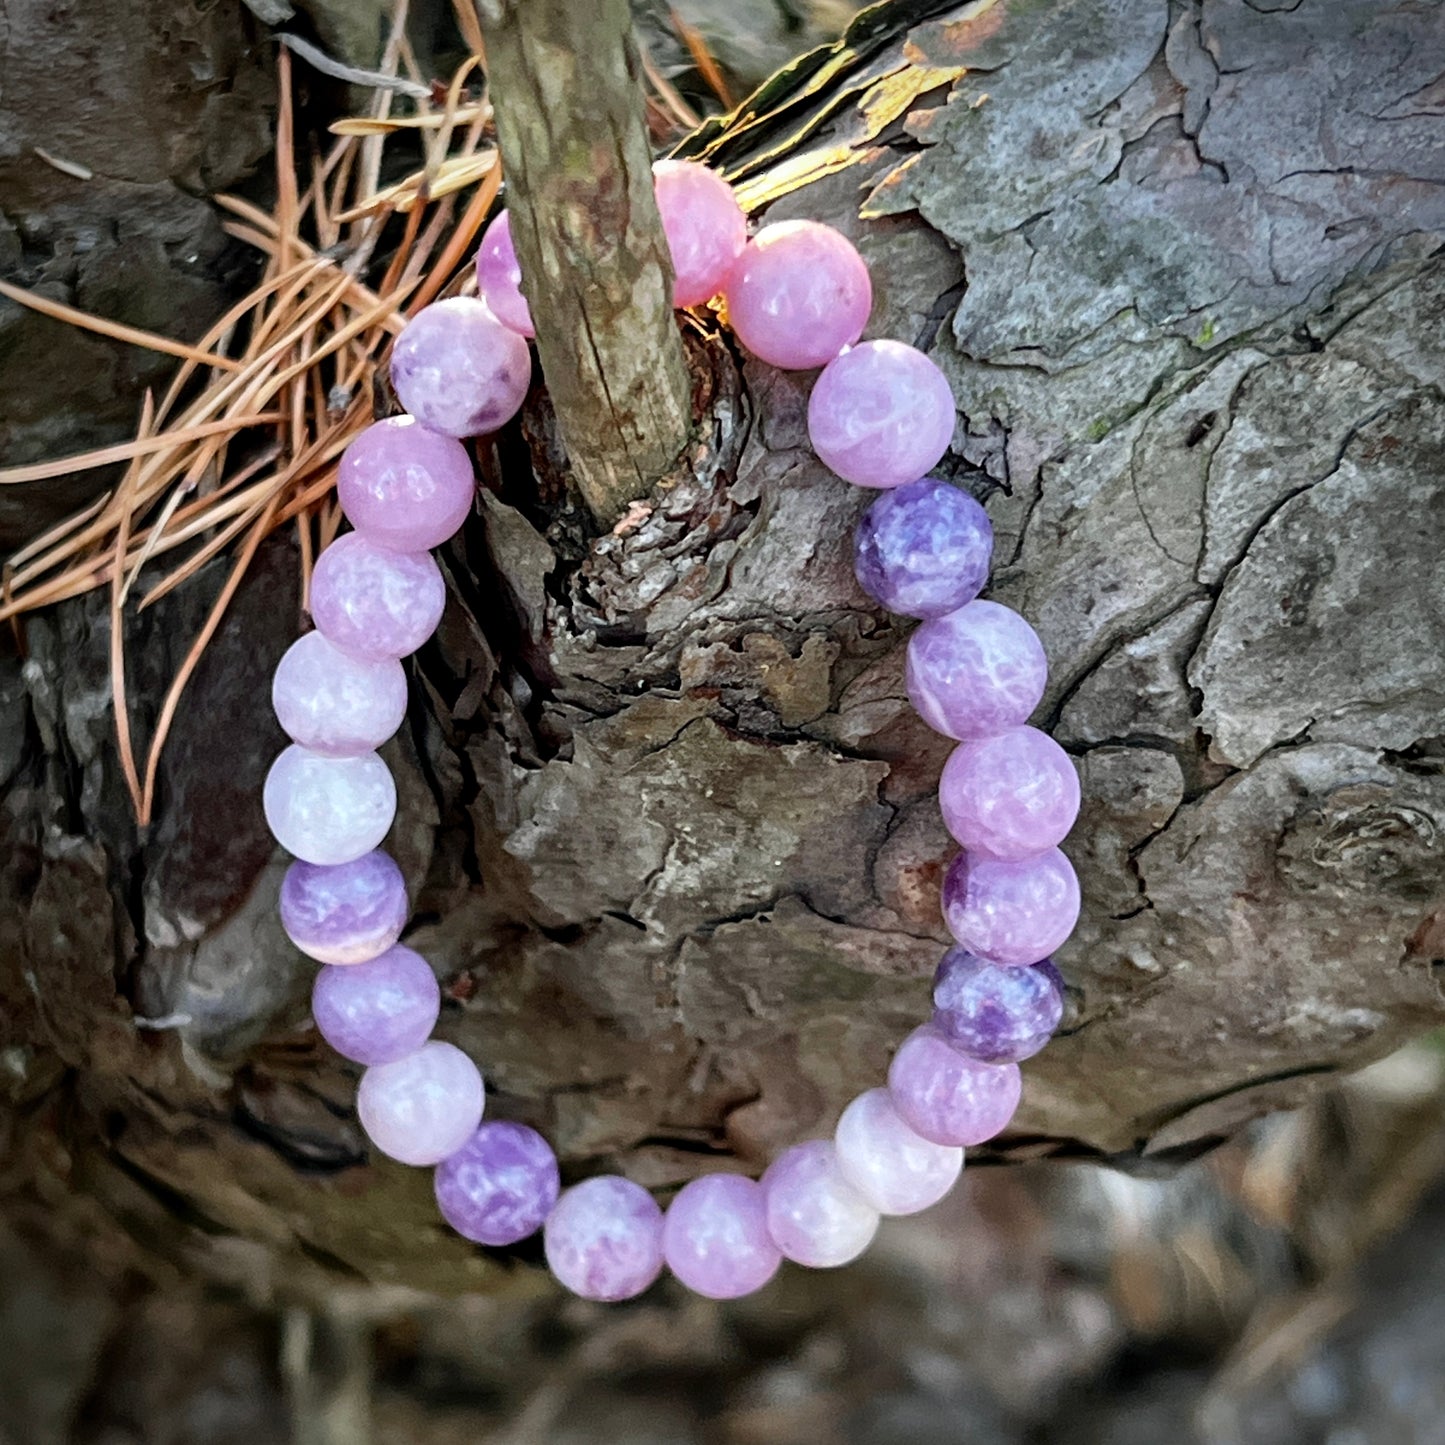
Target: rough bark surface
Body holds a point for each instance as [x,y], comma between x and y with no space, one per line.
[667,816]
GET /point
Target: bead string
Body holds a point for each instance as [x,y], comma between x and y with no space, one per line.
[881,415]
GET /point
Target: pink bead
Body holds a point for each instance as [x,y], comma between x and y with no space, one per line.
[404,486]
[378,1011]
[458,370]
[423,1107]
[715,1237]
[499,277]
[881,414]
[328,810]
[704,225]
[815,1216]
[799,294]
[1011,795]
[373,602]
[1011,911]
[334,703]
[892,1167]
[603,1239]
[946,1097]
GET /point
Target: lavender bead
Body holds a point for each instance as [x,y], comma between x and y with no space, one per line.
[1011,795]
[1011,911]
[715,1237]
[500,1186]
[799,294]
[421,1108]
[404,486]
[604,1239]
[949,1098]
[373,602]
[345,913]
[815,1216]
[894,1168]
[334,703]
[458,370]
[499,277]
[976,671]
[378,1011]
[328,810]
[705,228]
[923,550]
[881,414]
[994,1014]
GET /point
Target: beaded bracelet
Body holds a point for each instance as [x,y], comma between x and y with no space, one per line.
[881,415]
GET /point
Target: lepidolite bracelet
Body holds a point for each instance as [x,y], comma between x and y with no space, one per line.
[881,415]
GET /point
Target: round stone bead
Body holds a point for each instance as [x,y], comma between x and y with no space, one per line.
[895,1169]
[881,414]
[404,486]
[604,1238]
[1011,795]
[458,370]
[328,810]
[421,1108]
[499,277]
[378,1011]
[373,602]
[500,1186]
[995,1014]
[334,703]
[923,549]
[949,1098]
[704,225]
[345,913]
[976,671]
[715,1237]
[815,1216]
[1011,911]
[798,295]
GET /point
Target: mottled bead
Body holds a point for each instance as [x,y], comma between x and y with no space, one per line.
[421,1108]
[377,1011]
[894,1168]
[334,703]
[328,810]
[404,486]
[704,225]
[881,414]
[715,1237]
[604,1238]
[976,671]
[499,277]
[996,1014]
[1012,795]
[815,1216]
[500,1186]
[923,549]
[373,602]
[947,1097]
[458,370]
[798,295]
[347,912]
[1011,911]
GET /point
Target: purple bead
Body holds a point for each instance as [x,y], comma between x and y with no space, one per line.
[373,602]
[976,671]
[892,1166]
[334,703]
[949,1098]
[345,913]
[421,1108]
[499,277]
[500,1186]
[604,1238]
[378,1011]
[995,1014]
[881,414]
[799,294]
[458,370]
[715,1237]
[815,1216]
[1011,911]
[923,550]
[1011,795]
[328,810]
[404,486]
[704,225]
